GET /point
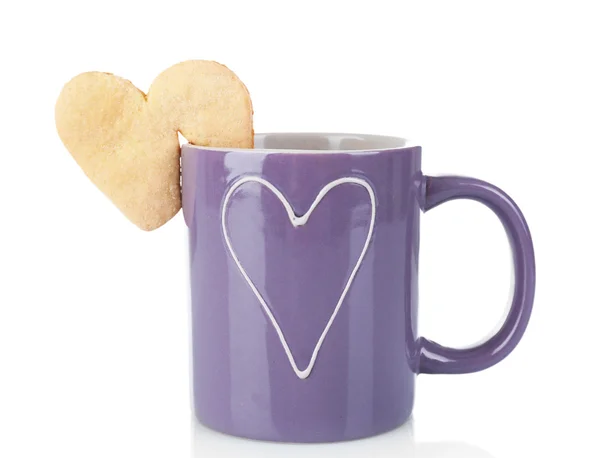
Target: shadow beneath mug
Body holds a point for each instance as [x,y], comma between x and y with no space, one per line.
[398,443]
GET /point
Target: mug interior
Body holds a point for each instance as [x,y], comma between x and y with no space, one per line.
[326,142]
[315,141]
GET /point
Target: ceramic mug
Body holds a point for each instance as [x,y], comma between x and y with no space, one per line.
[304,265]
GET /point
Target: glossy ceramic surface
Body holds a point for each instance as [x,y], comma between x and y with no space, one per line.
[304,285]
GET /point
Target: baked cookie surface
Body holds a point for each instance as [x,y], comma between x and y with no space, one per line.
[127,142]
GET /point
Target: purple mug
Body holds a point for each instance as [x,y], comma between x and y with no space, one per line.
[304,265]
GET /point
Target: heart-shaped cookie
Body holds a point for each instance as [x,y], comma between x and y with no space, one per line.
[127,142]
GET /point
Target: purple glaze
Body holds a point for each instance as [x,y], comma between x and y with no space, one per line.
[363,379]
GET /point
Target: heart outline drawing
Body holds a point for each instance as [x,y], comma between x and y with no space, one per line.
[297,221]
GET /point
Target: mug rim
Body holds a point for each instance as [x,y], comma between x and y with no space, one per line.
[386,142]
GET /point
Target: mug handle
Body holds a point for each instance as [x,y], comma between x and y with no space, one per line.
[437,359]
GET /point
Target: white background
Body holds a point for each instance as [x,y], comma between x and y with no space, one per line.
[94,312]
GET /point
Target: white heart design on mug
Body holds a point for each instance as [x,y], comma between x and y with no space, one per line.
[299,221]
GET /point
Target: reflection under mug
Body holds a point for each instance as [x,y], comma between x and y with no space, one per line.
[304,265]
[399,443]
